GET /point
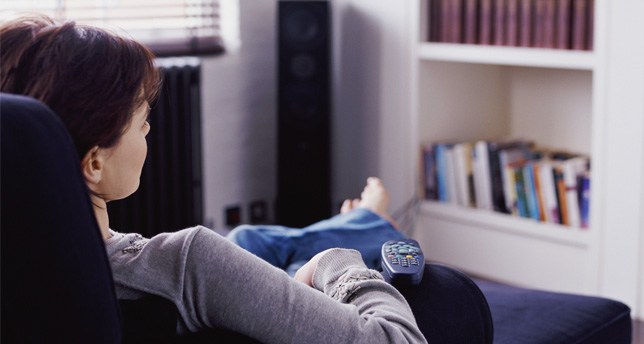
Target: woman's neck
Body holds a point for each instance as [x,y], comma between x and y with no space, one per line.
[100,210]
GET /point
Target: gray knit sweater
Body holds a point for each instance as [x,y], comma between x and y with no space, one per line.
[214,283]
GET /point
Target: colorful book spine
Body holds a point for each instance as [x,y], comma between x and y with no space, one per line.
[560,187]
[522,202]
[590,27]
[530,191]
[584,200]
[429,173]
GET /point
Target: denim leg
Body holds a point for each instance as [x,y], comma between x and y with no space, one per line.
[359,229]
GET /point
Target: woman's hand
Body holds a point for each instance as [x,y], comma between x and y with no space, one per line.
[305,273]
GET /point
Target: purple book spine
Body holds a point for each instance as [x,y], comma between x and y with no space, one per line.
[525,28]
[563,24]
[499,22]
[485,22]
[591,25]
[549,24]
[471,21]
[512,20]
[579,24]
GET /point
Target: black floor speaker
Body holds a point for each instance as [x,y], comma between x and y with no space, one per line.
[303,107]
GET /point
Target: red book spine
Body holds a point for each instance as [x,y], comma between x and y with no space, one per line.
[526,23]
[579,24]
[471,22]
[549,24]
[499,22]
[563,24]
[512,21]
[485,22]
[591,25]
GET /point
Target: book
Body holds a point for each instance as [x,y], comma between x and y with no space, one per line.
[549,15]
[563,24]
[522,202]
[590,25]
[496,177]
[510,185]
[548,192]
[445,25]
[435,20]
[536,175]
[579,23]
[450,176]
[509,156]
[441,151]
[463,174]
[499,22]
[526,23]
[584,199]
[428,173]
[571,169]
[530,191]
[456,21]
[560,188]
[512,23]
[485,22]
[481,175]
[539,21]
[471,20]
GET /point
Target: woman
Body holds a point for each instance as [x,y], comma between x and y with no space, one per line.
[101,85]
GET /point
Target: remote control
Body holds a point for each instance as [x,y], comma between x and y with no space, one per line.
[403,262]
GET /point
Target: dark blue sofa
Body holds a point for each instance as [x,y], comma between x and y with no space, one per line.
[57,285]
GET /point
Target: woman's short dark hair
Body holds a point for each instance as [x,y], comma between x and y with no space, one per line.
[92,79]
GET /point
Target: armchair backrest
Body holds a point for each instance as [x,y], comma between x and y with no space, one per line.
[56,281]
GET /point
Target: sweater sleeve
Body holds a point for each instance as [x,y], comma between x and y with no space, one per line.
[218,284]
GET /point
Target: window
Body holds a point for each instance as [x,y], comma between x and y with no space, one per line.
[167,27]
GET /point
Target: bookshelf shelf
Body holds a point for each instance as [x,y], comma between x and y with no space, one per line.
[507,56]
[521,227]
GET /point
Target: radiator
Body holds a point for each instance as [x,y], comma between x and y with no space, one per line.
[170,195]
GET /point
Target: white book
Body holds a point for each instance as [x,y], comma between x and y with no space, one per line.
[450,177]
[548,192]
[462,171]
[484,181]
[571,168]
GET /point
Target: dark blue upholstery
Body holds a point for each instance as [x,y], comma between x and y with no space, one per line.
[529,316]
[56,281]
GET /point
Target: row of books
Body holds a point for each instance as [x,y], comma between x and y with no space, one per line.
[556,24]
[509,176]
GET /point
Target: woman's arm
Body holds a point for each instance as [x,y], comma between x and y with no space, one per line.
[214,283]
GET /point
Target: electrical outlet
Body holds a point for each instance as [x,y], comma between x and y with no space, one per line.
[258,212]
[233,216]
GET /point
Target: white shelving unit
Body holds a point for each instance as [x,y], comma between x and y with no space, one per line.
[560,99]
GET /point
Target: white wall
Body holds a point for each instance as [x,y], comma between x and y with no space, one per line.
[239,117]
[370,124]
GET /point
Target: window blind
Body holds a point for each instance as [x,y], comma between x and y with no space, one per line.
[167,27]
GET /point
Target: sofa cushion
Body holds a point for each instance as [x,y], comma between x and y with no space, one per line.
[532,316]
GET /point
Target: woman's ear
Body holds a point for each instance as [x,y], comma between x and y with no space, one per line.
[92,165]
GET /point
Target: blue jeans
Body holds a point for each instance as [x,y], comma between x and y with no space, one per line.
[290,248]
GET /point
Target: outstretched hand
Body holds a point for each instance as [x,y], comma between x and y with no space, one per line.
[305,273]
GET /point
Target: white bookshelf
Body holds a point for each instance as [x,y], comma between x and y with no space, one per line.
[507,56]
[561,99]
